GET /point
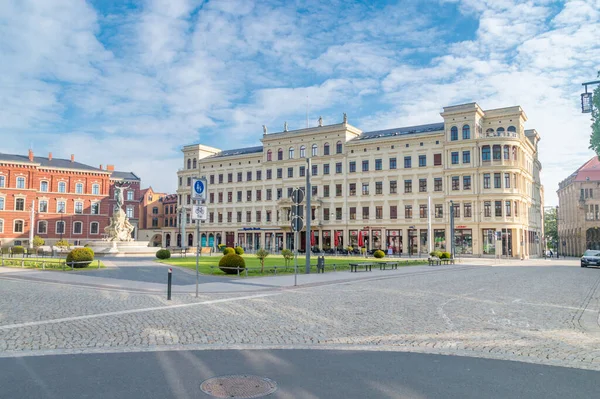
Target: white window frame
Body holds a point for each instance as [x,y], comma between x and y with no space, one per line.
[64,227]
[47,186]
[62,184]
[75,209]
[130,195]
[24,204]
[127,211]
[64,206]
[1,225]
[97,230]
[92,208]
[40,206]
[2,203]
[22,225]
[40,223]
[77,191]
[96,189]
[78,223]
[2,181]
[21,179]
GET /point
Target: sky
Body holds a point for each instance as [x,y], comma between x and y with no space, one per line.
[129,82]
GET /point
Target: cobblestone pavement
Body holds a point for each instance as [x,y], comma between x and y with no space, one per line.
[545,314]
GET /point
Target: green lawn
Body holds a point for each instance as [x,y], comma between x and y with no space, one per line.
[253,264]
[43,263]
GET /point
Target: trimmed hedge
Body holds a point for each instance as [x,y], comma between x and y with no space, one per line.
[229,263]
[163,254]
[228,251]
[84,255]
[445,255]
[379,254]
[239,250]
[437,254]
[17,249]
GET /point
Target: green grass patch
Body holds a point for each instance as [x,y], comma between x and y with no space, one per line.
[44,263]
[253,264]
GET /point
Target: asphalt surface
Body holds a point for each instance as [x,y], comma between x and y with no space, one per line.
[151,274]
[298,374]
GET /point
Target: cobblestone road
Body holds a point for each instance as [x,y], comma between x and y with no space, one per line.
[544,315]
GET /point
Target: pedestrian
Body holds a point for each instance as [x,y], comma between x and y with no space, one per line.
[390,251]
[551,254]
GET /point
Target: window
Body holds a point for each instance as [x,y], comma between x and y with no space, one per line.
[392,163]
[437,184]
[42,227]
[268,216]
[393,212]
[326,149]
[239,217]
[269,194]
[60,227]
[496,150]
[302,171]
[189,164]
[1,226]
[61,207]
[96,189]
[302,151]
[42,206]
[129,212]
[258,195]
[487,209]
[325,213]
[393,187]
[485,153]
[352,213]
[507,209]
[248,216]
[352,166]
[326,169]
[456,208]
[279,173]
[315,190]
[378,212]
[44,186]
[455,183]
[466,156]
[220,198]
[497,180]
[365,212]
[422,161]
[280,154]
[95,226]
[516,208]
[338,167]
[408,186]
[314,170]
[290,172]
[486,180]
[291,153]
[229,196]
[2,181]
[239,177]
[422,185]
[378,187]
[180,181]
[498,208]
[1,203]
[269,155]
[77,228]
[507,180]
[258,216]
[365,189]
[466,182]
[338,190]
[407,163]
[423,211]
[466,132]
[269,174]
[407,211]
[338,213]
[239,196]
[365,166]
[211,197]
[352,189]
[130,195]
[20,182]
[467,209]
[62,187]
[437,159]
[79,188]
[79,207]
[18,226]
[454,157]
[326,191]
[453,133]
[338,147]
[20,204]
[506,152]
[211,217]
[439,211]
[314,150]
[378,164]
[248,195]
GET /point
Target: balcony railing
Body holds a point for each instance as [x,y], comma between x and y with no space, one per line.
[499,134]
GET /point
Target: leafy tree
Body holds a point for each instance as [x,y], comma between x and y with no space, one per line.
[62,244]
[550,227]
[38,241]
[261,254]
[595,137]
[287,256]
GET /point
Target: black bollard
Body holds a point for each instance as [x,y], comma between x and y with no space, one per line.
[169,284]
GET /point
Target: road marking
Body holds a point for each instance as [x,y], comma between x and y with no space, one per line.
[131,311]
[517,300]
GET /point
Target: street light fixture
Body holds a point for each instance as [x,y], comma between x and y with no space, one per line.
[586,98]
[62,223]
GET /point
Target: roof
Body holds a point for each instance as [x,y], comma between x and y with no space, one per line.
[53,163]
[401,131]
[238,151]
[124,175]
[589,171]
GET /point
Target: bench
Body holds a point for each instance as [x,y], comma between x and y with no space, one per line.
[434,260]
[447,261]
[354,266]
[392,265]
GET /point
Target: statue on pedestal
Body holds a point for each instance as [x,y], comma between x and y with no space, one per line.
[119,228]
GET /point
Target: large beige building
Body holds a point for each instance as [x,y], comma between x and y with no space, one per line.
[578,210]
[377,184]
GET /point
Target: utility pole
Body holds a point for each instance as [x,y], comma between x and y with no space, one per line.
[308,212]
[452,249]
[31,224]
[429,236]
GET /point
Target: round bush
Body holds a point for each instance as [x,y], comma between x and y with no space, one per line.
[379,254]
[17,249]
[445,255]
[229,263]
[228,251]
[163,254]
[437,254]
[239,250]
[80,257]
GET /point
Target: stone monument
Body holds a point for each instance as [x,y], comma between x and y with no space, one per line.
[119,229]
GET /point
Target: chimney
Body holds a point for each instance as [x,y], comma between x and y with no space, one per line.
[30,155]
[72,157]
[110,168]
[49,156]
[101,167]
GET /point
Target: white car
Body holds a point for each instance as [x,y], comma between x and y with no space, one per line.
[590,257]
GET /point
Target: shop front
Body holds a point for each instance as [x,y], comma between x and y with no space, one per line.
[326,239]
[353,239]
[439,240]
[394,240]
[412,242]
[423,241]
[338,240]
[489,241]
[463,239]
[376,239]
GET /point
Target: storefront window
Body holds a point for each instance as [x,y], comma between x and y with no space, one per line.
[439,242]
[489,241]
[423,239]
[394,240]
[463,239]
[376,234]
[354,238]
[412,242]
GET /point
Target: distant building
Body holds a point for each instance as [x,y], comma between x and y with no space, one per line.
[151,216]
[578,210]
[59,199]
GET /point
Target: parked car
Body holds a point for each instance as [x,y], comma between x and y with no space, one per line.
[590,258]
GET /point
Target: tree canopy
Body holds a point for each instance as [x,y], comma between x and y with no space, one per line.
[595,137]
[550,227]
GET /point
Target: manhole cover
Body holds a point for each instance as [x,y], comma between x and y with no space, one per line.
[238,386]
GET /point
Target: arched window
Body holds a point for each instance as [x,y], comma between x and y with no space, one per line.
[500,131]
[94,228]
[506,152]
[60,227]
[155,210]
[326,149]
[514,153]
[194,164]
[44,186]
[62,187]
[20,182]
[18,226]
[454,133]
[512,131]
[269,155]
[79,188]
[96,189]
[497,152]
[189,164]
[291,153]
[466,132]
[338,147]
[485,153]
[77,228]
[302,151]
[489,132]
[42,227]
[314,150]
[280,154]
[20,204]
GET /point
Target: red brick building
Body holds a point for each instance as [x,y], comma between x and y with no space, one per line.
[59,198]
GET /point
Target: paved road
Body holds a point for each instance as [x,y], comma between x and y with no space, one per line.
[298,374]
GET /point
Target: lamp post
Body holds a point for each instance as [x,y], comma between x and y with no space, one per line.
[587,104]
[62,223]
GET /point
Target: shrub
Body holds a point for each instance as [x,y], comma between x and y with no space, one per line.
[261,254]
[228,251]
[287,256]
[38,241]
[239,250]
[363,250]
[379,254]
[17,249]
[350,249]
[445,255]
[229,263]
[84,255]
[221,247]
[62,243]
[163,254]
[437,254]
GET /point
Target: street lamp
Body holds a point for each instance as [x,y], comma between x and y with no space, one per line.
[586,98]
[62,223]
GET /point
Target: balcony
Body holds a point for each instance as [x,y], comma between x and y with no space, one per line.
[512,135]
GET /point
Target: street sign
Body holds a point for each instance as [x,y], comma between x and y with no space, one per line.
[199,212]
[297,223]
[300,210]
[199,189]
[297,195]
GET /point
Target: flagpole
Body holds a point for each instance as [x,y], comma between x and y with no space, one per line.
[430,238]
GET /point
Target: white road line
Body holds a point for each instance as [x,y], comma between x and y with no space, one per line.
[131,311]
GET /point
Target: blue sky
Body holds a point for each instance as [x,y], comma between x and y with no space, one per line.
[129,82]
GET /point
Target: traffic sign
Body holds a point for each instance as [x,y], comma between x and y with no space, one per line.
[297,195]
[300,210]
[199,189]
[199,212]
[297,223]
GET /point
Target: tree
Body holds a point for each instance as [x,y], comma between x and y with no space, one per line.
[287,256]
[551,227]
[38,241]
[261,254]
[595,137]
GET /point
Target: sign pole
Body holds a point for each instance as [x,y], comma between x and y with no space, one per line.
[197,254]
[308,214]
[198,214]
